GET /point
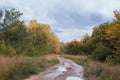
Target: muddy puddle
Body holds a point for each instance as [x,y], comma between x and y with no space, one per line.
[66,70]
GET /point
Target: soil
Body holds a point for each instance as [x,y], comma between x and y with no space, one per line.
[65,70]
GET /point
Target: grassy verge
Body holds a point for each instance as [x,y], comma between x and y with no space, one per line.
[96,70]
[18,68]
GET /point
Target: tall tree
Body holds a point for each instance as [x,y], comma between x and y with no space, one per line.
[44,39]
[10,17]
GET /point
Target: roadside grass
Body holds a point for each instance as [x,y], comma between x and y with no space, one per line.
[20,67]
[94,70]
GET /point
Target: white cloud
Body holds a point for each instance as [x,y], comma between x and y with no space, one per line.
[71,34]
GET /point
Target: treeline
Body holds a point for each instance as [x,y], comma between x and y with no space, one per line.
[17,38]
[103,45]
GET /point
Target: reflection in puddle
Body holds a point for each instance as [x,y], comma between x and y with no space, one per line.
[73,78]
[62,69]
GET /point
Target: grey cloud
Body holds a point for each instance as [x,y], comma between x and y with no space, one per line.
[65,17]
[72,19]
[57,31]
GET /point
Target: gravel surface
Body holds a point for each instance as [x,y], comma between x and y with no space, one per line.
[66,70]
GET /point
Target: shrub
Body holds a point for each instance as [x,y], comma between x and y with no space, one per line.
[6,50]
[101,52]
[73,48]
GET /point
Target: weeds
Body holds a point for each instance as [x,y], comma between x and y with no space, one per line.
[17,68]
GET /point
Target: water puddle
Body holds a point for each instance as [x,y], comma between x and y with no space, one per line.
[73,78]
[62,69]
[65,71]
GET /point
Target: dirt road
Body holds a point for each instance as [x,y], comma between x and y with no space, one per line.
[66,70]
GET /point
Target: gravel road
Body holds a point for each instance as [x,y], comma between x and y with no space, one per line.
[65,70]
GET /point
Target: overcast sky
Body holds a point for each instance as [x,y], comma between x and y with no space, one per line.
[69,19]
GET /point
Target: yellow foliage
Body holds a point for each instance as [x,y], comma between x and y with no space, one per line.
[45,36]
[33,26]
[113,32]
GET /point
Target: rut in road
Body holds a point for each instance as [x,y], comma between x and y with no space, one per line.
[65,70]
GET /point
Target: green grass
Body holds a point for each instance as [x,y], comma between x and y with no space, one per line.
[94,70]
[18,68]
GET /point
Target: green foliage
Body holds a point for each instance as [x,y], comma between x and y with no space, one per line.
[103,45]
[108,33]
[10,17]
[99,32]
[111,59]
[79,47]
[6,50]
[73,48]
[86,44]
[20,39]
[101,52]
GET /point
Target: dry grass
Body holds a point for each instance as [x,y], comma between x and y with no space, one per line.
[96,70]
[50,57]
[17,68]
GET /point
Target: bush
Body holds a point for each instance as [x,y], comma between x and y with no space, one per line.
[73,48]
[101,52]
[6,50]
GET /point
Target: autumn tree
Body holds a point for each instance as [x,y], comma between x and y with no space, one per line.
[86,44]
[44,39]
[73,47]
[54,43]
[108,34]
[113,35]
